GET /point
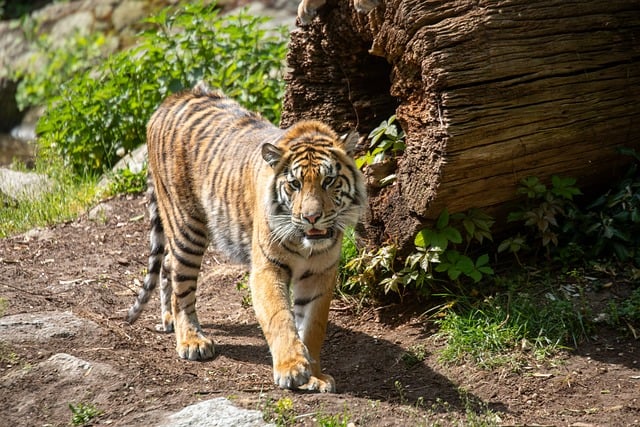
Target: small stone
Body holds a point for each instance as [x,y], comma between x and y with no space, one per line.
[215,412]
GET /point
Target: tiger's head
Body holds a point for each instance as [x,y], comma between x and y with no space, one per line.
[317,190]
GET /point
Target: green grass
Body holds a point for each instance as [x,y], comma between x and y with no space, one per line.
[280,412]
[414,355]
[83,413]
[506,328]
[334,420]
[625,312]
[67,198]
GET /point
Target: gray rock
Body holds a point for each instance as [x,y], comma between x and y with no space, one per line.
[12,149]
[24,132]
[43,326]
[13,46]
[127,14]
[71,367]
[213,413]
[278,17]
[134,161]
[81,22]
[61,379]
[19,186]
[38,235]
[100,213]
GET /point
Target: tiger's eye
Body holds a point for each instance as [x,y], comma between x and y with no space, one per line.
[328,181]
[295,184]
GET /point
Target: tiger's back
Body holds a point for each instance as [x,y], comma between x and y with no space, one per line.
[278,200]
[190,152]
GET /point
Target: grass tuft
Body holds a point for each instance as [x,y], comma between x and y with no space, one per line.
[501,330]
[67,197]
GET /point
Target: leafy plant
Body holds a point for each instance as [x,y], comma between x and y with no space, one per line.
[435,252]
[280,412]
[83,413]
[543,209]
[242,286]
[62,60]
[611,224]
[104,111]
[436,246]
[454,264]
[361,274]
[124,181]
[386,142]
[336,420]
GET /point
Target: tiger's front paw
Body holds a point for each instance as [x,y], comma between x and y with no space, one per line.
[195,346]
[322,383]
[292,371]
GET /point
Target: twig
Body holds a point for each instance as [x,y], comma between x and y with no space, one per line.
[37,294]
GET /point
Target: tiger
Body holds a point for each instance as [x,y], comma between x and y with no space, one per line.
[276,200]
[308,9]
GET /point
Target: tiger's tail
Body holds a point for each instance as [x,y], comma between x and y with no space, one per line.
[157,245]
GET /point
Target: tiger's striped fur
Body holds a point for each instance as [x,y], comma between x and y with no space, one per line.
[278,200]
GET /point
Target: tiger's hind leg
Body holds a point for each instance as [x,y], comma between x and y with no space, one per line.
[186,249]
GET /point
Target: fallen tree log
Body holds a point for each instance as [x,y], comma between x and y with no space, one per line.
[488,92]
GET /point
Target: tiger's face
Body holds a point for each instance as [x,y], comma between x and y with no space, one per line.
[316,192]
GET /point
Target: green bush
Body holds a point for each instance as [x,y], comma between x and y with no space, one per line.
[610,225]
[62,60]
[104,110]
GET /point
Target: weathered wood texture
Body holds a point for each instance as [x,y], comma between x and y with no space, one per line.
[488,92]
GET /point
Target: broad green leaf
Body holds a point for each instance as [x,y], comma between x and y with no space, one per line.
[465,264]
[482,260]
[452,235]
[443,219]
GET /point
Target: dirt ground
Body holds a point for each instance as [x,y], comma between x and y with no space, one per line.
[89,268]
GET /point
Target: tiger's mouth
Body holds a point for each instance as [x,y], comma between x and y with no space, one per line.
[317,234]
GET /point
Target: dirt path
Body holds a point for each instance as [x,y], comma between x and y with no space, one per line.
[67,289]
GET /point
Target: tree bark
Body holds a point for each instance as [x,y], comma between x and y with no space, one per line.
[488,92]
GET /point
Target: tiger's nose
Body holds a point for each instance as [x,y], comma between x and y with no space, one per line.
[312,217]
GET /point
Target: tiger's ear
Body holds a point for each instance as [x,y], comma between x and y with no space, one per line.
[271,154]
[349,141]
